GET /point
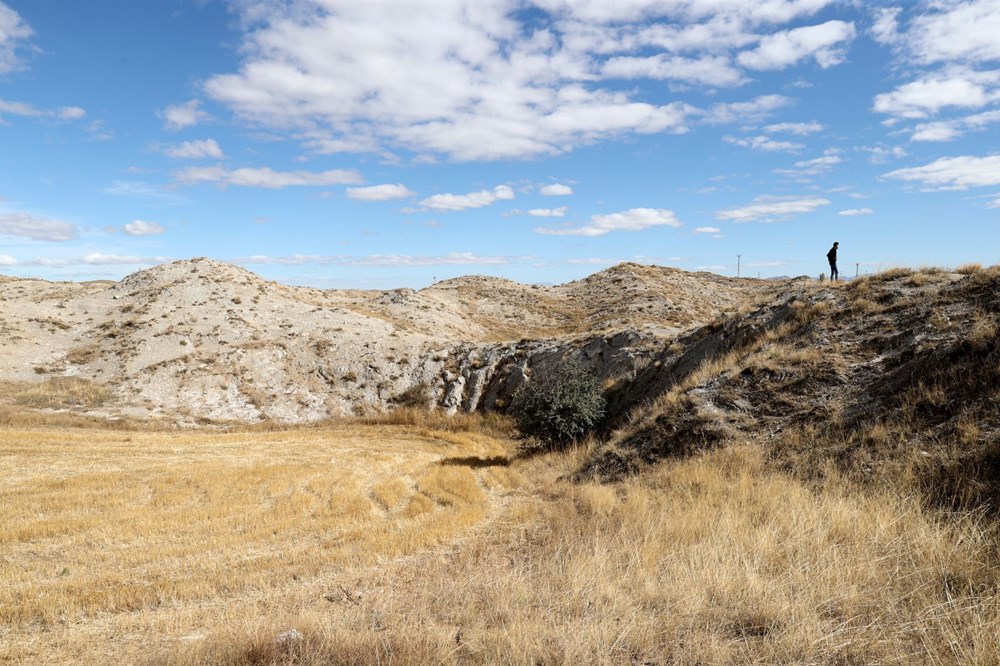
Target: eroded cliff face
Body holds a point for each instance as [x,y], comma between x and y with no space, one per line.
[202,339]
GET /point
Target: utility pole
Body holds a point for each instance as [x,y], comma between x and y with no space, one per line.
[856,265]
[738,264]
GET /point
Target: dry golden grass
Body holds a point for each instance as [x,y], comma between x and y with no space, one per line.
[201,548]
[713,561]
[56,393]
[116,524]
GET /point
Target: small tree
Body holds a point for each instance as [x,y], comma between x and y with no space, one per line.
[560,406]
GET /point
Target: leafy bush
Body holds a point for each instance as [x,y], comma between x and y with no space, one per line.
[560,406]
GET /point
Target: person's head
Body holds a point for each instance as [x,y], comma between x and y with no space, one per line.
[836,244]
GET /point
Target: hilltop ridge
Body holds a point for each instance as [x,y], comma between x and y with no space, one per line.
[202,339]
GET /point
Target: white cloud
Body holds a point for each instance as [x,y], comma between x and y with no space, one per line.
[993,204]
[882,154]
[380,192]
[763,143]
[953,31]
[264,177]
[769,209]
[556,190]
[548,212]
[798,129]
[934,92]
[946,130]
[706,70]
[502,79]
[635,219]
[851,212]
[195,150]
[394,260]
[140,189]
[707,230]
[179,116]
[142,228]
[953,173]
[27,110]
[7,260]
[745,112]
[34,227]
[826,43]
[454,202]
[101,259]
[814,167]
[13,33]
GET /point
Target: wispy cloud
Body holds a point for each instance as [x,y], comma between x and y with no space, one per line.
[385,192]
[142,228]
[195,150]
[953,173]
[851,212]
[635,219]
[35,227]
[548,212]
[14,32]
[400,260]
[179,116]
[825,43]
[67,113]
[456,202]
[264,177]
[769,209]
[763,143]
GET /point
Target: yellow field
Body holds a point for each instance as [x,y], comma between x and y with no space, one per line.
[410,545]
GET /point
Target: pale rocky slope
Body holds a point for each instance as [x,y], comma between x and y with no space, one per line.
[201,339]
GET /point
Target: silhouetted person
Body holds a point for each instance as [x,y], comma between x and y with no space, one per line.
[832,257]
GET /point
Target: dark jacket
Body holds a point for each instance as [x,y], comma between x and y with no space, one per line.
[832,255]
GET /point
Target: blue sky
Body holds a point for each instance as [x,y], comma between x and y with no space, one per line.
[388,143]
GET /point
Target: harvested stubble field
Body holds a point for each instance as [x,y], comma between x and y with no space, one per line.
[414,544]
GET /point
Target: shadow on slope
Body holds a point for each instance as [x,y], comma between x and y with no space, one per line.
[894,378]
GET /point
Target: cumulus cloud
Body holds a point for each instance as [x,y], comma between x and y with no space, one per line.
[34,227]
[556,190]
[953,173]
[380,192]
[14,31]
[826,43]
[548,212]
[635,219]
[264,177]
[179,116]
[943,32]
[851,212]
[503,79]
[770,209]
[763,143]
[993,204]
[142,228]
[195,150]
[455,202]
[934,92]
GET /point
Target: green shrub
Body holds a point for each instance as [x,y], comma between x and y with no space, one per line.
[560,406]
